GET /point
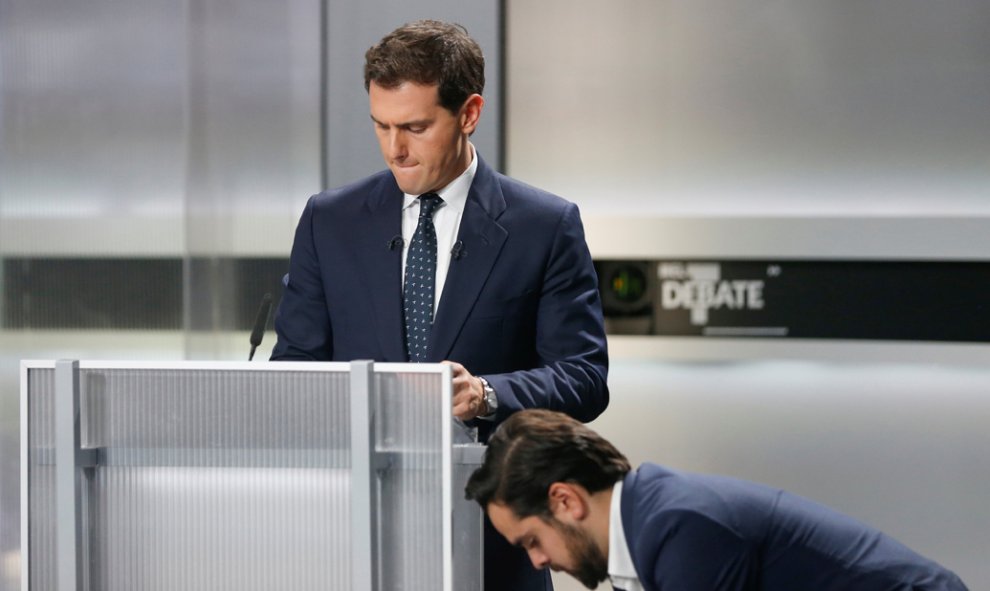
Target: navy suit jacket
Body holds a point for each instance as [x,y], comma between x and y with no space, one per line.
[692,532]
[520,306]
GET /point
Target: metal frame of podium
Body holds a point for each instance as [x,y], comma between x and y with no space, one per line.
[231,475]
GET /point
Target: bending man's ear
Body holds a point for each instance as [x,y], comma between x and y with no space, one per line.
[567,501]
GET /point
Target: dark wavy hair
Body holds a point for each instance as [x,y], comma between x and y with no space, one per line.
[428,52]
[534,449]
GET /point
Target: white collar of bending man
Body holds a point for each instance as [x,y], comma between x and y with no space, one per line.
[621,571]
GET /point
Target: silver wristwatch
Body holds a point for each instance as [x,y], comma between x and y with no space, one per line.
[491,401]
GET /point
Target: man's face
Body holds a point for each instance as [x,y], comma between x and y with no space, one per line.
[424,145]
[553,544]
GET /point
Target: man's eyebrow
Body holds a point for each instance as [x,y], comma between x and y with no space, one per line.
[406,125]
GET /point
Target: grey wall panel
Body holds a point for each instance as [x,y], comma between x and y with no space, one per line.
[747,108]
[93,113]
[157,127]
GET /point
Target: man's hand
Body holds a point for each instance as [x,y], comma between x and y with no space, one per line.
[469,395]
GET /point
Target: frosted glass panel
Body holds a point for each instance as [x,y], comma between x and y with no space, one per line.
[410,432]
[245,476]
[217,418]
[169,528]
[206,479]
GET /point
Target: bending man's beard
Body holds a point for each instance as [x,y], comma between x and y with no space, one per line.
[590,564]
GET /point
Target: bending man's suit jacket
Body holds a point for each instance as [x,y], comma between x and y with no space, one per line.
[520,306]
[692,532]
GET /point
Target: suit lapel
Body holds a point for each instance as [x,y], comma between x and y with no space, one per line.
[382,266]
[482,239]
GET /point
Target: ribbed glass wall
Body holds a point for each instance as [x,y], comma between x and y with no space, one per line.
[154,157]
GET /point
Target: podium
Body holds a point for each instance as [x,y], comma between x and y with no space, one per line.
[243,476]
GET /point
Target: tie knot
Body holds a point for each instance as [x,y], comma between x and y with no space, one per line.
[428,202]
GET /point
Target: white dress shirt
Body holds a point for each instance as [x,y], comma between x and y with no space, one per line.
[446,220]
[621,571]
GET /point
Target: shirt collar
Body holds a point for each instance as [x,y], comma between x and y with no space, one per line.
[621,570]
[455,194]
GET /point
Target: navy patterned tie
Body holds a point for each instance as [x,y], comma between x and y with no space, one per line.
[421,272]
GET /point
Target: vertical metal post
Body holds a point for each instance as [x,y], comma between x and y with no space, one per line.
[68,478]
[468,521]
[364,488]
[446,477]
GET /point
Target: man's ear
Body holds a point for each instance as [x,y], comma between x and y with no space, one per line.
[471,113]
[566,502]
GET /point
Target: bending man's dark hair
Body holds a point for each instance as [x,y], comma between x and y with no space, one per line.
[428,52]
[536,448]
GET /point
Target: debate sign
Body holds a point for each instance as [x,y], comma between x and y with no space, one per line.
[826,299]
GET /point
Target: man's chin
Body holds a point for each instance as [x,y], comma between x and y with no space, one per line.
[586,578]
[590,583]
[407,182]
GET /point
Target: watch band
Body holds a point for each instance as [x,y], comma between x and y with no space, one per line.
[491,400]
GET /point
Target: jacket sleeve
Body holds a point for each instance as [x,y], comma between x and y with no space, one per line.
[570,336]
[302,322]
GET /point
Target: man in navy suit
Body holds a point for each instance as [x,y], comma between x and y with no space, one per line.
[513,303]
[557,489]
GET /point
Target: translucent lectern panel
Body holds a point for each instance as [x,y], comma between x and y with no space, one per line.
[217,417]
[214,480]
[410,441]
[227,476]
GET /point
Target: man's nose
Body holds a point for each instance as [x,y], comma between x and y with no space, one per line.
[396,145]
[539,559]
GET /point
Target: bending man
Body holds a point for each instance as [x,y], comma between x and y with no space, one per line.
[557,489]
